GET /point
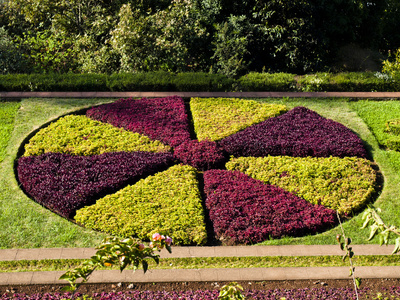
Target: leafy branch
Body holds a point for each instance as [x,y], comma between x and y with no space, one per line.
[379,228]
[122,253]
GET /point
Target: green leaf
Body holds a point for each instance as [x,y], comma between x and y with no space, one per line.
[341,246]
[396,246]
[145,266]
[358,282]
[374,229]
[366,222]
[68,288]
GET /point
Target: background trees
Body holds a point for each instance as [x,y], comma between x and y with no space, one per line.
[225,36]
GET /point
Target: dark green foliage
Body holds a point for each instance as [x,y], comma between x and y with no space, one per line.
[145,81]
[267,82]
[229,37]
[199,82]
[11,58]
[53,82]
[193,82]
[350,82]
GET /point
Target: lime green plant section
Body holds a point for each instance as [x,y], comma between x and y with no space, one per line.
[217,118]
[343,184]
[168,202]
[79,135]
[381,117]
[8,110]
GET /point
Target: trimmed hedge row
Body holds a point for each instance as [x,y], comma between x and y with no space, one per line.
[168,202]
[162,119]
[300,132]
[64,183]
[342,184]
[79,135]
[217,118]
[245,210]
[191,82]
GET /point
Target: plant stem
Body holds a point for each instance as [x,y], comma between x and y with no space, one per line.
[348,254]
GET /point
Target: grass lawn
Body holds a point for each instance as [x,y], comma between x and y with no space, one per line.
[26,224]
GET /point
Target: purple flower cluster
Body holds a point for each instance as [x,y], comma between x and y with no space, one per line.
[162,119]
[300,132]
[202,155]
[245,210]
[289,294]
[64,183]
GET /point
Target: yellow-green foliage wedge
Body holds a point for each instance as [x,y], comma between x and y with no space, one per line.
[343,184]
[217,118]
[79,135]
[168,202]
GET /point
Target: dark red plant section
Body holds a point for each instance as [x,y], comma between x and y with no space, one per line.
[162,119]
[65,183]
[244,210]
[300,132]
[202,155]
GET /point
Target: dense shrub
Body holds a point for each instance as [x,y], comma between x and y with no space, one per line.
[393,126]
[348,82]
[202,82]
[168,202]
[65,183]
[342,184]
[300,132]
[202,155]
[11,58]
[267,82]
[143,81]
[193,82]
[245,210]
[79,135]
[216,118]
[162,119]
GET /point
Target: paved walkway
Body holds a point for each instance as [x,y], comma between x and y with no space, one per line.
[371,95]
[176,275]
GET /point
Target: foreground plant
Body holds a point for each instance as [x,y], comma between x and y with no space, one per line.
[231,291]
[379,228]
[122,253]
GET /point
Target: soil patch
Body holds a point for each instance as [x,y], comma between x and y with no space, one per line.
[374,286]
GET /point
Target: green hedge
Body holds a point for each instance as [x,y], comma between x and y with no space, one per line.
[185,82]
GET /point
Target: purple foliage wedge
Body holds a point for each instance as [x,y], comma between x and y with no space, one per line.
[162,119]
[202,155]
[300,132]
[244,210]
[64,183]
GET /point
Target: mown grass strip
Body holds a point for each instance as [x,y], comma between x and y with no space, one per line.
[8,110]
[211,262]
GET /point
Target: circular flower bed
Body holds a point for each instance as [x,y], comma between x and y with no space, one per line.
[130,168]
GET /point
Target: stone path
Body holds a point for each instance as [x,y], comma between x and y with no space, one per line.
[176,275]
[371,95]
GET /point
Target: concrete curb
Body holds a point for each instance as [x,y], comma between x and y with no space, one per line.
[371,95]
